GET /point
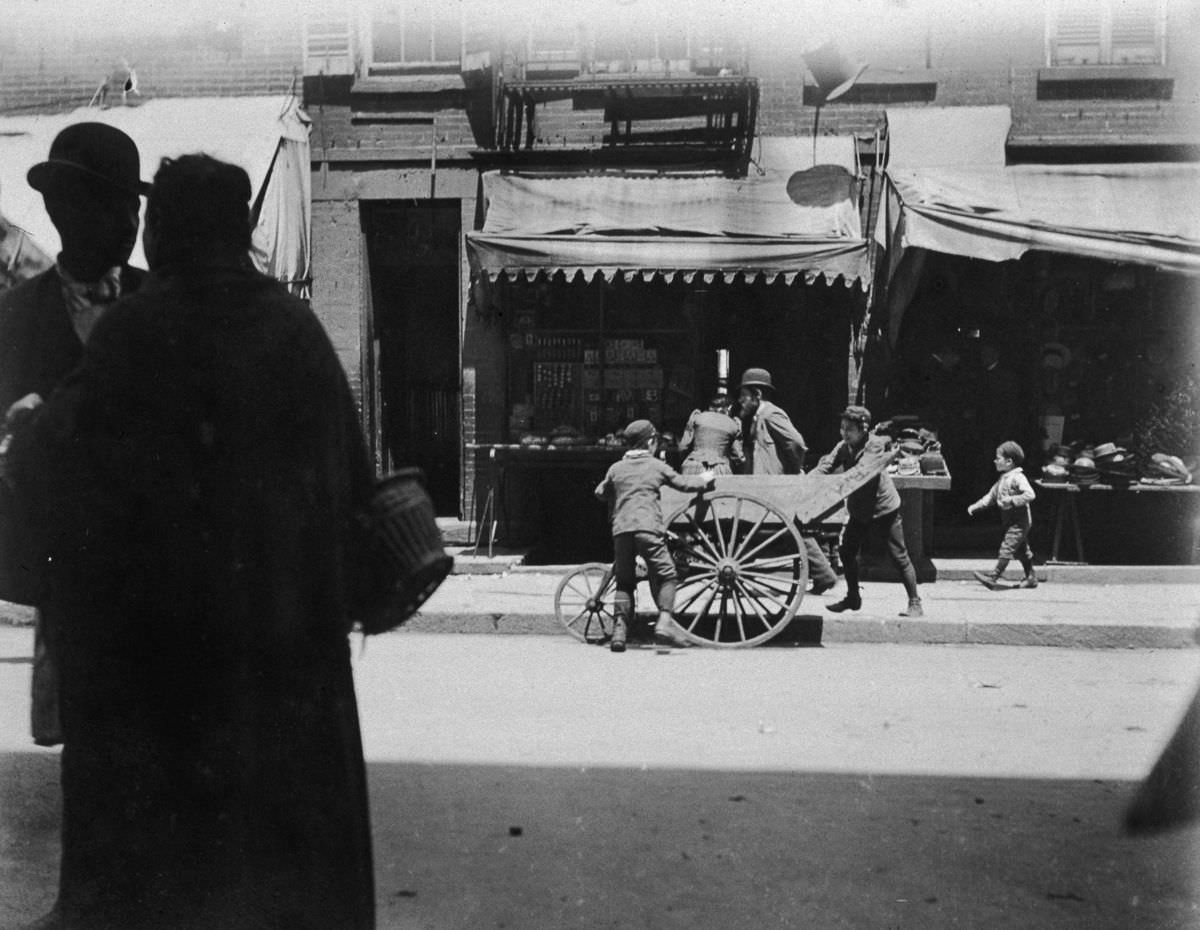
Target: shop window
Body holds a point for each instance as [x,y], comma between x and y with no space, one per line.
[414,35]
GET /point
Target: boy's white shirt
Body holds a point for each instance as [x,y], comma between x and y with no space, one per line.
[1011,490]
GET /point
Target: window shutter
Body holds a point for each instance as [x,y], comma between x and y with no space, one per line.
[328,43]
[1078,33]
[1135,33]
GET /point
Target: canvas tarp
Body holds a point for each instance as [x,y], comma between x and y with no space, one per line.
[267,136]
[643,225]
[925,137]
[1142,214]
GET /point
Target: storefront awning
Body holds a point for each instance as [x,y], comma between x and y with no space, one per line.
[1142,214]
[267,136]
[644,226]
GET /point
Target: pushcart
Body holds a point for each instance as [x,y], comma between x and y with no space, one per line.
[739,556]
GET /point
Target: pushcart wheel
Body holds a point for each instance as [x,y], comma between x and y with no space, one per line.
[741,566]
[583,602]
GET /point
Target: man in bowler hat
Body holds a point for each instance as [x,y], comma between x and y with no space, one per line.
[91,186]
[773,446]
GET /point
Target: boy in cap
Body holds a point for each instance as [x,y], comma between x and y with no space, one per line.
[875,504]
[631,488]
[1011,495]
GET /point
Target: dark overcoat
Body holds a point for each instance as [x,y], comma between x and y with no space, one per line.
[38,345]
[197,477]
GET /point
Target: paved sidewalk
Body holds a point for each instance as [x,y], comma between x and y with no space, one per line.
[1069,613]
[1155,610]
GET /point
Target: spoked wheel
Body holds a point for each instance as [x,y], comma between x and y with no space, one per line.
[741,566]
[583,602]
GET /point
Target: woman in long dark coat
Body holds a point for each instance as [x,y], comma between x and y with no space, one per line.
[197,479]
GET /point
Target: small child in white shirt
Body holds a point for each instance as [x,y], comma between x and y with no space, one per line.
[1012,494]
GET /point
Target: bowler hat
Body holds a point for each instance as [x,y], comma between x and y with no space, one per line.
[757,377]
[639,431]
[96,150]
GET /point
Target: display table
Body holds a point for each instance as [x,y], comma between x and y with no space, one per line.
[1064,497]
[520,500]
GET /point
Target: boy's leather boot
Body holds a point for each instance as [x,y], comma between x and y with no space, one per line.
[991,580]
[852,601]
[623,610]
[619,634]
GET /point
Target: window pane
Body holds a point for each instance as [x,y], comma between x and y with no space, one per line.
[387,42]
[418,33]
[447,40]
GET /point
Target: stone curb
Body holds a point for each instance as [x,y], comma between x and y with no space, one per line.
[813,630]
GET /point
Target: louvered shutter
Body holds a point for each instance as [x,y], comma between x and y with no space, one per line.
[1078,33]
[1135,33]
[328,43]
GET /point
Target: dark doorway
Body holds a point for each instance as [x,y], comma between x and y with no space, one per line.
[413,252]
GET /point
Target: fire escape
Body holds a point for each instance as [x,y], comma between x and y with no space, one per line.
[694,113]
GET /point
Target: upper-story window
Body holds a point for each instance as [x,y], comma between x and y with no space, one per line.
[1106,32]
[678,46]
[414,34]
[565,48]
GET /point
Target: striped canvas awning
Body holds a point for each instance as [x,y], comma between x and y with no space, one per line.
[1141,214]
[777,225]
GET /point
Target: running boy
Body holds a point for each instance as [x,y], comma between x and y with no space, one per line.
[1012,494]
[631,488]
[876,503]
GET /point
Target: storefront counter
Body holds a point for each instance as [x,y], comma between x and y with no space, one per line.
[1177,541]
[542,495]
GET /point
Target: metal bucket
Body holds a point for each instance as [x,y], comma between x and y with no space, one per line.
[406,543]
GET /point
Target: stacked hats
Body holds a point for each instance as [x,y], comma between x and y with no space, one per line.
[1166,469]
[1059,466]
[1083,470]
[1115,464]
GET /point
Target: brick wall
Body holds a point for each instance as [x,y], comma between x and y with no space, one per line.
[45,66]
[338,280]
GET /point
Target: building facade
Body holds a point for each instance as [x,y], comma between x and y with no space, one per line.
[423,114]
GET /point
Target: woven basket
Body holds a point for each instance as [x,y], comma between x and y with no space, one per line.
[406,549]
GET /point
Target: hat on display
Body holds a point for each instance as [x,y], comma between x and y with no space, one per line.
[1106,448]
[637,432]
[96,151]
[933,463]
[1169,466]
[757,377]
[1083,470]
[908,465]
